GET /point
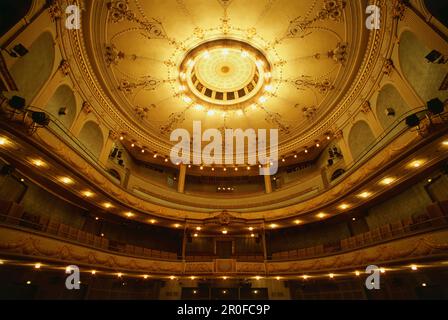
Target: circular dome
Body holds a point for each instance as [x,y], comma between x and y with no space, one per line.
[224,72]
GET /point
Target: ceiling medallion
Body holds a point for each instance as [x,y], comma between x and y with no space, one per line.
[225,74]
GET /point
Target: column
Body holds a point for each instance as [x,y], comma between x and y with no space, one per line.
[107,148]
[268,183]
[263,239]
[181,180]
[348,158]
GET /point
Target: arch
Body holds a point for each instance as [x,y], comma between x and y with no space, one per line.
[63,98]
[114,173]
[423,76]
[360,137]
[438,9]
[337,174]
[389,97]
[32,71]
[92,138]
[16,10]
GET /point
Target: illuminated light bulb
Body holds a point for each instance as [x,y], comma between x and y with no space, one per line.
[152,221]
[224,278]
[190,63]
[382,270]
[331,275]
[22,180]
[66,180]
[414,267]
[213,169]
[119,275]
[445,143]
[198,228]
[344,206]
[295,156]
[177,225]
[2,262]
[297,221]
[182,75]
[255,291]
[225,52]
[328,137]
[97,218]
[145,276]
[38,163]
[224,169]
[121,138]
[268,88]
[251,228]
[182,88]
[172,277]
[283,160]
[423,284]
[278,278]
[195,235]
[199,107]
[3,141]
[416,164]
[263,99]
[107,205]
[187,99]
[37,266]
[267,75]
[259,63]
[306,150]
[129,214]
[211,112]
[192,277]
[317,145]
[133,145]
[28,282]
[143,150]
[273,225]
[248,168]
[305,277]
[387,181]
[357,273]
[201,168]
[224,231]
[189,166]
[206,54]
[252,235]
[239,113]
[93,272]
[364,195]
[244,54]
[257,278]
[236,168]
[321,215]
[166,160]
[88,194]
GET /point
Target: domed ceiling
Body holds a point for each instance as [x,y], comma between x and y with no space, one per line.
[230,64]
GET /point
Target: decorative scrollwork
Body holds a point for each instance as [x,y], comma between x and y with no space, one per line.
[173,120]
[148,83]
[303,83]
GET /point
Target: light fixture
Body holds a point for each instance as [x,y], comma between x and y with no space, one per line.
[28,282]
[331,275]
[166,160]
[382,270]
[317,145]
[252,235]
[236,168]
[152,221]
[190,63]
[143,151]
[211,113]
[192,277]
[97,218]
[213,169]
[344,206]
[3,141]
[387,181]
[306,150]
[88,194]
[278,278]
[199,107]
[121,138]
[182,75]
[201,168]
[251,228]
[93,272]
[198,228]
[37,266]
[416,164]
[195,235]
[224,278]
[257,278]
[133,145]
[414,267]
[129,214]
[119,275]
[1,262]
[328,137]
[66,180]
[224,231]
[102,235]
[224,291]
[187,99]
[263,99]
[305,277]
[255,291]
[107,205]
[224,169]
[364,195]
[357,273]
[321,215]
[145,276]
[177,225]
[248,168]
[22,180]
[38,163]
[297,221]
[273,225]
[295,156]
[194,292]
[423,284]
[268,88]
[445,143]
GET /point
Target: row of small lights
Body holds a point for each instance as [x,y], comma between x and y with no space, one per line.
[223,231]
[387,181]
[357,273]
[201,167]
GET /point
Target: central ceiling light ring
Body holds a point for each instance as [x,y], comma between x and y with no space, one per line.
[225,73]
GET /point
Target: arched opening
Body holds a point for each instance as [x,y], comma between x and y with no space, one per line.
[16,9]
[62,105]
[337,174]
[114,174]
[32,71]
[390,106]
[425,77]
[92,138]
[360,138]
[439,10]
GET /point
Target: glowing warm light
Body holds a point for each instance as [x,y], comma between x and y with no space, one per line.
[129,214]
[224,169]
[198,228]
[273,225]
[252,235]
[251,228]
[182,88]
[236,168]
[1,262]
[187,99]
[253,106]
[248,168]
[199,107]
[224,231]
[206,54]
[107,205]
[297,221]
[119,275]
[192,277]
[382,270]
[306,150]
[364,195]
[267,75]
[387,181]
[143,150]
[145,276]
[328,137]
[195,235]
[321,215]
[88,194]
[357,273]
[305,277]
[37,266]
[239,113]
[263,99]
[417,164]
[445,143]
[28,282]
[172,277]
[3,141]
[152,221]
[331,275]
[166,160]
[96,218]
[414,267]
[182,75]
[244,54]
[66,180]
[317,145]
[224,278]
[190,63]
[201,168]
[121,138]
[259,63]
[344,206]
[278,278]
[255,291]
[225,52]
[177,225]
[423,284]
[211,113]
[38,163]
[295,156]
[213,169]
[268,88]
[257,278]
